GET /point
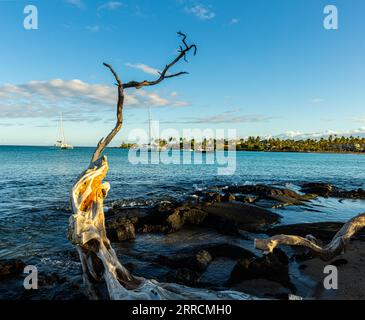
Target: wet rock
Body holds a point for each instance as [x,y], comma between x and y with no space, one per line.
[190,264]
[278,196]
[229,217]
[328,190]
[227,250]
[286,201]
[197,262]
[157,221]
[215,196]
[245,198]
[165,217]
[174,222]
[120,227]
[198,258]
[357,194]
[11,268]
[272,267]
[228,197]
[184,276]
[321,189]
[171,219]
[285,193]
[193,215]
[267,191]
[339,262]
[222,214]
[211,197]
[324,231]
[124,231]
[203,259]
[165,207]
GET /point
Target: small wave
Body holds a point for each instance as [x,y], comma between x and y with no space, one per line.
[132,203]
[197,188]
[62,263]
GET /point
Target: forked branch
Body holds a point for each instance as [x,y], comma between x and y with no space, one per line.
[183,50]
[104,142]
[337,246]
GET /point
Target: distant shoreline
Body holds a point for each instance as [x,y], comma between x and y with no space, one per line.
[258,151]
[277,151]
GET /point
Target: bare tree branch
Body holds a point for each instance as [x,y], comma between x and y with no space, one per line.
[328,252]
[164,75]
[104,142]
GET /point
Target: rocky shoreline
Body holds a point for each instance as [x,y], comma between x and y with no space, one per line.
[231,216]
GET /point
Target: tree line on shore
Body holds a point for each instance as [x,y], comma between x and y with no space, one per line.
[330,144]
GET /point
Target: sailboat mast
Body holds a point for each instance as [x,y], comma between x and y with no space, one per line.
[61,142]
[62,130]
[149,127]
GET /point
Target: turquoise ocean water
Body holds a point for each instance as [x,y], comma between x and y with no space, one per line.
[35,183]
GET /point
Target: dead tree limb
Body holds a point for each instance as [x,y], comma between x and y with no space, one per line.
[327,252]
[104,142]
[87,224]
[164,74]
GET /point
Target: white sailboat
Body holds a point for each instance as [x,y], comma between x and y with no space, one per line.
[61,142]
[151,146]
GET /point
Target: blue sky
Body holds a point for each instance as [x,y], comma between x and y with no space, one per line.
[263,67]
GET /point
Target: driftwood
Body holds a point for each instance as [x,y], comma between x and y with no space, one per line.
[327,252]
[87,225]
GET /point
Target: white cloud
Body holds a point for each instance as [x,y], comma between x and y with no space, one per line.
[79,99]
[143,67]
[292,134]
[230,116]
[111,5]
[297,135]
[234,21]
[200,11]
[93,28]
[153,98]
[77,3]
[10,124]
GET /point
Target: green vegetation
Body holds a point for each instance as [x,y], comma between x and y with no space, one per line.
[331,144]
[126,145]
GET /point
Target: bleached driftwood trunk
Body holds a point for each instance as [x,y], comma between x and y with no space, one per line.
[99,261]
[326,252]
[87,225]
